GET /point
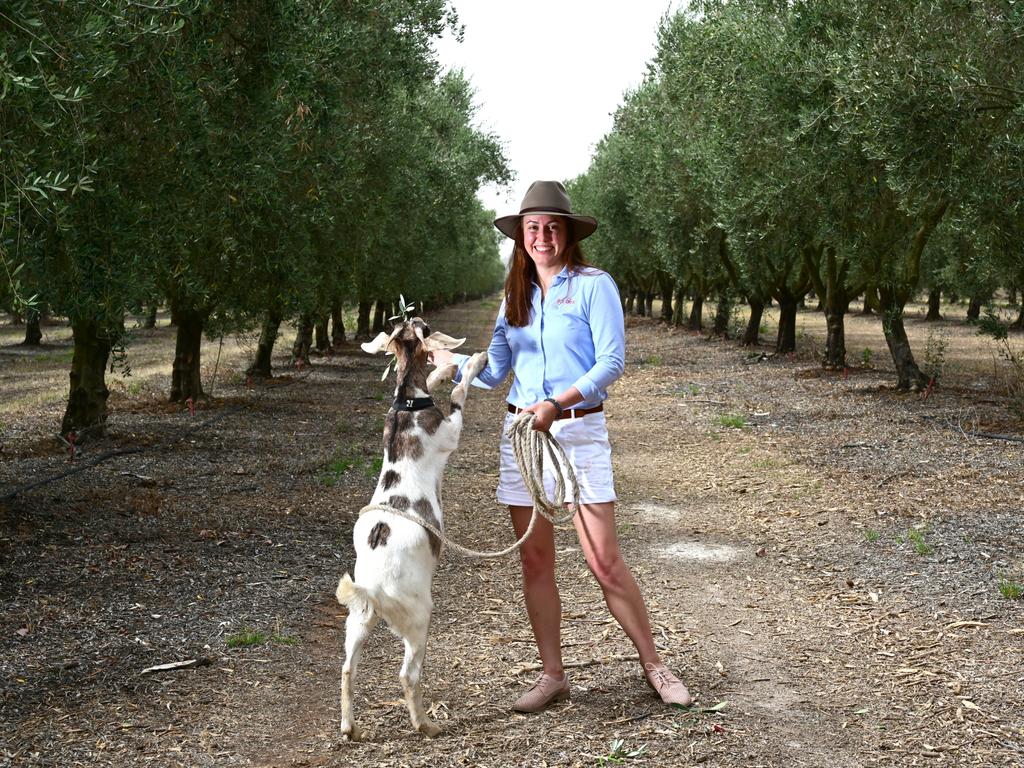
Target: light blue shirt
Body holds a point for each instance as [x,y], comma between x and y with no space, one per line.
[576,337]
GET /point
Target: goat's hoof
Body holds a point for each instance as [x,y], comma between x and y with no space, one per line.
[478,362]
[351,733]
[429,728]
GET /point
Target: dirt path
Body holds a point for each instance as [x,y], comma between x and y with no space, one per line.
[821,558]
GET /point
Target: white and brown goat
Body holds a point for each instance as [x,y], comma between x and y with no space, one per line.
[396,557]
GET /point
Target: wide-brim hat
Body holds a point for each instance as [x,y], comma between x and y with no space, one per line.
[551,199]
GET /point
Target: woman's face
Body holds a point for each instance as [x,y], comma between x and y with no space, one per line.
[545,239]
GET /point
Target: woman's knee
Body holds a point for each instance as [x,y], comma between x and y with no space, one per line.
[538,563]
[608,568]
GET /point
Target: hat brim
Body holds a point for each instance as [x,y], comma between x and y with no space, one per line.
[583,226]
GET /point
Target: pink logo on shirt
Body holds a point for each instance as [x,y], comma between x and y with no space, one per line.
[565,300]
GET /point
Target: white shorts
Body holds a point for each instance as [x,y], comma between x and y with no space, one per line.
[585,442]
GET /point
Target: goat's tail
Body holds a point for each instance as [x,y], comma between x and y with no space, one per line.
[355,597]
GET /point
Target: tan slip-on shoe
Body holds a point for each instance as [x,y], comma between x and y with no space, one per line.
[545,690]
[668,686]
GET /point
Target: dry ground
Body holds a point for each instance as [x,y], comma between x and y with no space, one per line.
[822,560]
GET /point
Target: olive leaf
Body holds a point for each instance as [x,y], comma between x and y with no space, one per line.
[406,310]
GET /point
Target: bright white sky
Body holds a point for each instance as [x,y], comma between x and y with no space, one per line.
[548,75]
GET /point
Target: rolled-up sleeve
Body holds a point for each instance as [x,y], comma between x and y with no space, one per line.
[608,330]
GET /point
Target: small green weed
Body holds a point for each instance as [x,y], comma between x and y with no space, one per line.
[934,356]
[248,638]
[245,639]
[689,390]
[872,535]
[134,387]
[651,360]
[620,753]
[732,420]
[768,463]
[372,468]
[335,468]
[1011,590]
[990,325]
[865,357]
[916,537]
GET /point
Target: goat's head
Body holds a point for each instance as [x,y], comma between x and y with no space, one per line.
[409,342]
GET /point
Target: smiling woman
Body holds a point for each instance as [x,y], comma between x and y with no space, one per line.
[561,333]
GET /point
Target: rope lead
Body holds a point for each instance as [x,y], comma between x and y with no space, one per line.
[529,447]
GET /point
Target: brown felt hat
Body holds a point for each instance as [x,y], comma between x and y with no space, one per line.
[550,198]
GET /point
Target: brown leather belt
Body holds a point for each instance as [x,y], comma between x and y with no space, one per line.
[568,413]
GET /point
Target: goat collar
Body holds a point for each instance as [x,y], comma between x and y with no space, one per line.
[412,404]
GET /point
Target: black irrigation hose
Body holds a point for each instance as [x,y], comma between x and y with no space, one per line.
[125,451]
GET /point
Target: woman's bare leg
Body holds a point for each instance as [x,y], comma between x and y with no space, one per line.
[543,604]
[595,525]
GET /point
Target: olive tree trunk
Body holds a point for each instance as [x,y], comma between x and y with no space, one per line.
[696,320]
[908,375]
[974,308]
[679,310]
[33,333]
[322,341]
[261,365]
[934,303]
[363,320]
[665,283]
[86,412]
[723,311]
[835,337]
[380,312]
[303,341]
[186,381]
[337,326]
[751,336]
[785,341]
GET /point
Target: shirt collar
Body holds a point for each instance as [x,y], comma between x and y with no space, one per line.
[558,279]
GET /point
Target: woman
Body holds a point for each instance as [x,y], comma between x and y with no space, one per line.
[560,331]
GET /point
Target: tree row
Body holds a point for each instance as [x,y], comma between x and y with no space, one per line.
[849,148]
[242,162]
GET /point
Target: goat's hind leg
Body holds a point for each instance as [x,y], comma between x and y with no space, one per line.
[358,627]
[412,668]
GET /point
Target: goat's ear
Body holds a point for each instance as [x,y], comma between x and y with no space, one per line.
[376,346]
[438,340]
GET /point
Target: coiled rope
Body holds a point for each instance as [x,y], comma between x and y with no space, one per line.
[529,447]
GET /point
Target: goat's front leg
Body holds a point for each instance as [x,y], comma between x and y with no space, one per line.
[444,373]
[473,367]
[358,627]
[412,668]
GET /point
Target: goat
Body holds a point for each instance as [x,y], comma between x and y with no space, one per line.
[396,557]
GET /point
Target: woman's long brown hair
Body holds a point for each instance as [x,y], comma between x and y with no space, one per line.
[523,272]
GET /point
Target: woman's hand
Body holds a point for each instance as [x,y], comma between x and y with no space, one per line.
[441,357]
[544,414]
